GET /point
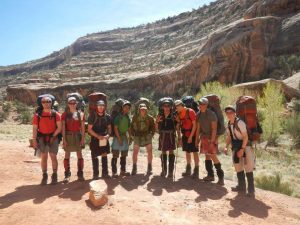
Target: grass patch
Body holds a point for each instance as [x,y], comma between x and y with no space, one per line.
[274,183]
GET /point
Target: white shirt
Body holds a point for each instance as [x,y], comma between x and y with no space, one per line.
[237,134]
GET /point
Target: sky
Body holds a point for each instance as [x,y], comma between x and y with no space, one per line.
[31,29]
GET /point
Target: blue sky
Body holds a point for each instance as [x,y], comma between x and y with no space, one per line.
[31,29]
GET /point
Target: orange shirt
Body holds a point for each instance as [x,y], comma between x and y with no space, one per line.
[47,122]
[187,121]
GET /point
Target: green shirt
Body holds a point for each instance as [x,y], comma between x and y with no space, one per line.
[122,122]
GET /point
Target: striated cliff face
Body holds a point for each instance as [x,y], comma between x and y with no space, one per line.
[230,41]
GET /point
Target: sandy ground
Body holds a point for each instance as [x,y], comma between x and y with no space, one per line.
[138,199]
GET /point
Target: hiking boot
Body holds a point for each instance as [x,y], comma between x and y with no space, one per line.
[134,169]
[210,172]
[44,179]
[241,187]
[188,171]
[195,174]
[163,159]
[67,176]
[114,167]
[104,167]
[171,165]
[220,174]
[95,162]
[54,178]
[80,175]
[250,180]
[149,169]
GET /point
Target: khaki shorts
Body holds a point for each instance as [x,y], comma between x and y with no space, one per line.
[47,147]
[73,141]
[246,163]
[142,141]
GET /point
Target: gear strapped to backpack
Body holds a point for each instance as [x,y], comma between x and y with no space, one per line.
[246,110]
[214,105]
[190,102]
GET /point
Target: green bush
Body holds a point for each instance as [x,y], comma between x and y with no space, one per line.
[274,183]
[292,126]
[6,107]
[272,108]
[25,117]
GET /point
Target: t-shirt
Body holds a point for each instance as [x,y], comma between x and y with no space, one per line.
[237,134]
[122,122]
[100,123]
[74,123]
[205,119]
[47,123]
[187,121]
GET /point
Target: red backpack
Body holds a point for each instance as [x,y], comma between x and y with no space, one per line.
[94,98]
[246,110]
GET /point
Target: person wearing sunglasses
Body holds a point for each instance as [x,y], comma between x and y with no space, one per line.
[73,131]
[243,154]
[46,128]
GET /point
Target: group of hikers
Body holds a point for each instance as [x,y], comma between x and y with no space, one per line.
[194,126]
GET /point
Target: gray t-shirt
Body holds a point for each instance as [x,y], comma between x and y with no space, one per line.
[205,119]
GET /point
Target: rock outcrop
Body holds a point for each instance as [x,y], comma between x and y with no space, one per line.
[243,39]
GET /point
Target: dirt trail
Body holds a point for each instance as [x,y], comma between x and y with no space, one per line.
[133,200]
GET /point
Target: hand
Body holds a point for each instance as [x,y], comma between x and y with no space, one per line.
[120,141]
[158,118]
[34,143]
[106,137]
[179,143]
[225,151]
[240,153]
[130,140]
[52,140]
[100,137]
[197,144]
[65,144]
[82,142]
[190,139]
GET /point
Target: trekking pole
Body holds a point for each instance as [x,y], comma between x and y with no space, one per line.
[176,160]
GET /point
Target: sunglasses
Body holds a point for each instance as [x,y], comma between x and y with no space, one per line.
[44,102]
[229,112]
[72,103]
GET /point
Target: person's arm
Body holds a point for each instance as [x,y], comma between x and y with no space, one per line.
[93,133]
[197,134]
[228,142]
[179,142]
[34,135]
[82,129]
[214,125]
[116,131]
[109,129]
[58,128]
[64,132]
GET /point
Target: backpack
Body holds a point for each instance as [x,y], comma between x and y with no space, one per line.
[145,101]
[246,110]
[40,108]
[214,105]
[164,100]
[190,102]
[115,111]
[94,98]
[79,99]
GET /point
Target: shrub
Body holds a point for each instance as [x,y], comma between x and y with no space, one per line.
[274,183]
[25,117]
[292,126]
[6,107]
[272,107]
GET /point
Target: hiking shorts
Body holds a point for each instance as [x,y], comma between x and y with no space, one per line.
[189,147]
[246,163]
[45,147]
[206,147]
[142,141]
[73,142]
